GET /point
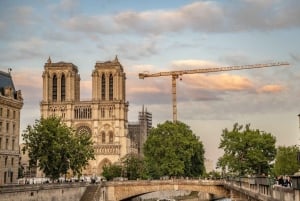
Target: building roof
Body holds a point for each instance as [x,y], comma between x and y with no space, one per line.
[6,81]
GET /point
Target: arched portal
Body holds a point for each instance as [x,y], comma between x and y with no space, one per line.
[104,162]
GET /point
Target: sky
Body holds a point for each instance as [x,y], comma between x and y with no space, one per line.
[154,36]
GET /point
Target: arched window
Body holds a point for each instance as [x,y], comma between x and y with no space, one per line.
[111,137]
[103,137]
[111,87]
[54,88]
[110,112]
[103,87]
[63,87]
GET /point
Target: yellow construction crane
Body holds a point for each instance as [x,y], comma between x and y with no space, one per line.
[176,74]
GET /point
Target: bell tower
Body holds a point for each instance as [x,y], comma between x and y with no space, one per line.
[61,88]
[61,82]
[110,106]
[108,81]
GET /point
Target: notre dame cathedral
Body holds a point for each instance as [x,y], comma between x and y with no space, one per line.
[104,117]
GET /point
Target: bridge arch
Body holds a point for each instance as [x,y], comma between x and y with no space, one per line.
[124,190]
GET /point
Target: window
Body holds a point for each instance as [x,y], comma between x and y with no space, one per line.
[111,86]
[0,143]
[12,161]
[1,111]
[103,87]
[103,137]
[5,162]
[110,112]
[7,127]
[0,126]
[13,144]
[14,114]
[63,88]
[84,130]
[102,110]
[54,88]
[6,144]
[14,128]
[7,114]
[111,137]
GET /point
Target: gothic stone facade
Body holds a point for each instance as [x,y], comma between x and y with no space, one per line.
[104,116]
[11,102]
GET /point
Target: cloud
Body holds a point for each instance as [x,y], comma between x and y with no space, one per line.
[68,7]
[272,88]
[24,15]
[30,83]
[219,82]
[138,49]
[68,4]
[295,57]
[26,49]
[91,24]
[192,64]
[204,16]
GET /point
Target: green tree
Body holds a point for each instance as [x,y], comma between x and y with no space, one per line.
[55,147]
[246,151]
[133,167]
[286,162]
[173,149]
[112,171]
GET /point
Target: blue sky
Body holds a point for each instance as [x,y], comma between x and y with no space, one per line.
[162,36]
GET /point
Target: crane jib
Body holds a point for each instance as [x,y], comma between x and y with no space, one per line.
[176,74]
[210,70]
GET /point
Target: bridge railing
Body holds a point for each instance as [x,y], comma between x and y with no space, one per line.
[263,187]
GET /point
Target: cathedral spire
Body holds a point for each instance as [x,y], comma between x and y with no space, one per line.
[116,58]
[49,60]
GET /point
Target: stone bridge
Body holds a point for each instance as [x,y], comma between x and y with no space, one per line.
[258,189]
[250,189]
[127,189]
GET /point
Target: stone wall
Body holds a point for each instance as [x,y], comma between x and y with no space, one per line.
[51,192]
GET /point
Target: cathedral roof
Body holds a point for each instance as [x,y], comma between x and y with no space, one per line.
[59,64]
[109,64]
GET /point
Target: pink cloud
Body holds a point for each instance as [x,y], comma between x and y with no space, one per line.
[218,82]
[27,79]
[271,88]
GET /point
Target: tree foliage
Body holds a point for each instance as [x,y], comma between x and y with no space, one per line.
[133,167]
[173,149]
[286,162]
[112,171]
[55,147]
[246,151]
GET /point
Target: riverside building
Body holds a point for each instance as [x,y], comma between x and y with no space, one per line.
[11,103]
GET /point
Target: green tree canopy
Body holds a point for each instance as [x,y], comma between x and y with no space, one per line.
[112,171]
[246,151]
[173,149]
[133,167]
[54,147]
[286,162]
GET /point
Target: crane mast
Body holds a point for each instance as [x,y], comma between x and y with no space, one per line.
[176,74]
